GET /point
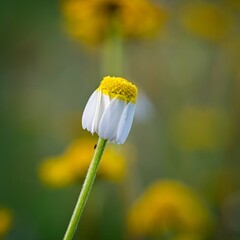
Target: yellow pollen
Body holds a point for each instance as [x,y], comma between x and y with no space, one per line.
[120,88]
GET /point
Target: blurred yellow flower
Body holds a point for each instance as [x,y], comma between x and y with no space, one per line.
[90,20]
[80,153]
[5,221]
[169,207]
[207,20]
[73,164]
[113,165]
[56,172]
[200,128]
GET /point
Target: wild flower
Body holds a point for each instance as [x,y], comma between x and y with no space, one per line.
[168,207]
[90,21]
[110,109]
[109,112]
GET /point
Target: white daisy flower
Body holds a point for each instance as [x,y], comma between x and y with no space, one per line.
[110,109]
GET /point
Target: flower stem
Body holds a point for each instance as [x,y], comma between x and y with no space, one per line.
[87,185]
[112,50]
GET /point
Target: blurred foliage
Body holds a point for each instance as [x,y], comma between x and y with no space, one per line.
[191,81]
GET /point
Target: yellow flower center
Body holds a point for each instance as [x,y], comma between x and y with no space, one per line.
[110,7]
[120,88]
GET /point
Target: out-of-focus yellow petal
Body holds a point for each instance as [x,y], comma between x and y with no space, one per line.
[79,154]
[113,165]
[5,221]
[142,19]
[56,172]
[73,164]
[168,206]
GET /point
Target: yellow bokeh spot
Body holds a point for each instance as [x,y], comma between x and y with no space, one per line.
[72,165]
[79,154]
[5,221]
[168,206]
[200,128]
[206,20]
[120,88]
[113,165]
[56,172]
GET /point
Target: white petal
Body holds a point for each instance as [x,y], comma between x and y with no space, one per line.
[89,112]
[125,123]
[109,122]
[102,105]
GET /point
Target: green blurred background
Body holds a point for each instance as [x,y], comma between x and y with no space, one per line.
[187,128]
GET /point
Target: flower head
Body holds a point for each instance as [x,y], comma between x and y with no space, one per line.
[90,20]
[110,110]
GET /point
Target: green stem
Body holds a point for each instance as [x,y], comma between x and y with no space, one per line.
[112,51]
[85,189]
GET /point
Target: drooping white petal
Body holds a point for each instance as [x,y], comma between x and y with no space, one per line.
[89,112]
[125,123]
[104,101]
[109,122]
